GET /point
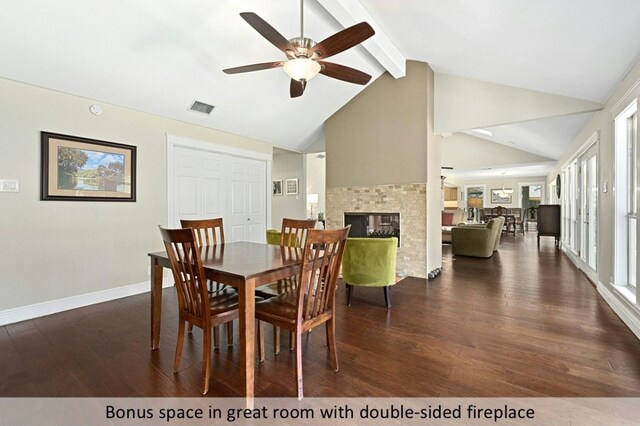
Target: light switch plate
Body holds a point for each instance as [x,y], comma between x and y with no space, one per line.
[9,185]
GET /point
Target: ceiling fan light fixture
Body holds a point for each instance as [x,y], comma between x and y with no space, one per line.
[302,68]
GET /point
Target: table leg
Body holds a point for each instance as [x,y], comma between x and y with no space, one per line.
[156,303]
[246,294]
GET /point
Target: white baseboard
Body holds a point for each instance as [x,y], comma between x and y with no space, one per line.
[23,313]
[628,314]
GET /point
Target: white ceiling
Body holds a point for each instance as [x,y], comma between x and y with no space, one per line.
[158,56]
[548,137]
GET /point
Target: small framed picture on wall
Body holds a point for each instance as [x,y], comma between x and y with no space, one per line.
[292,186]
[277,187]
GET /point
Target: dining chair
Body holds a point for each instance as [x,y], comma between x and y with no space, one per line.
[210,232]
[313,301]
[196,305]
[502,211]
[518,220]
[293,233]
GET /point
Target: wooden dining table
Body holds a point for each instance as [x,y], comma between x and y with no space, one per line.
[244,266]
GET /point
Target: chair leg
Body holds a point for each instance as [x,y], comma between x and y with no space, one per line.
[328,337]
[331,342]
[292,341]
[299,364]
[179,344]
[260,341]
[349,291]
[216,338]
[387,296]
[276,340]
[230,333]
[206,360]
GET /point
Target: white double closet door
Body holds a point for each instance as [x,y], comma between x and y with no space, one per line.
[209,184]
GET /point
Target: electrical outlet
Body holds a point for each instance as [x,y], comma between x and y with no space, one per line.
[9,185]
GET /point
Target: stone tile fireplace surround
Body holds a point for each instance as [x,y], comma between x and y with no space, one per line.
[410,200]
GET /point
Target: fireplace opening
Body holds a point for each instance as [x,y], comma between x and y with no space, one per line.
[373,225]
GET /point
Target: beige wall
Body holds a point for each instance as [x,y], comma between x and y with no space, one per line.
[380,136]
[55,249]
[434,184]
[464,104]
[288,165]
[385,136]
[508,183]
[462,151]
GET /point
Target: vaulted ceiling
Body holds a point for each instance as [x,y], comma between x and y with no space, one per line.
[159,56]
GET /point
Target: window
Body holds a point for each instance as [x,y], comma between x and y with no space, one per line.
[626,256]
[474,200]
[632,209]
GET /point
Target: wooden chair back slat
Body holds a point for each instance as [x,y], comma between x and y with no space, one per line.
[186,265]
[322,256]
[208,232]
[294,231]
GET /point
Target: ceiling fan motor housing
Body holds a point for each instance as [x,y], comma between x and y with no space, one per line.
[303,44]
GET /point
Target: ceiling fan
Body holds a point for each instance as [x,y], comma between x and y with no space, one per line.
[305,57]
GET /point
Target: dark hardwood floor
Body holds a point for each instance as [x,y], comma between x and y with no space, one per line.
[522,323]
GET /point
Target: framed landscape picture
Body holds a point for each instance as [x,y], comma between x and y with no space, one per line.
[292,186]
[501,196]
[80,169]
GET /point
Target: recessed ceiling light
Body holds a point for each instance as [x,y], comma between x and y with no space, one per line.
[483,132]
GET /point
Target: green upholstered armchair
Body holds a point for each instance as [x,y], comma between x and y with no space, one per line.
[273,237]
[370,262]
[477,241]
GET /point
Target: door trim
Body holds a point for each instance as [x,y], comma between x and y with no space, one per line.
[174,141]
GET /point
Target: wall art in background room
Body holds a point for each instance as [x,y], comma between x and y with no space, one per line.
[277,187]
[292,186]
[80,169]
[502,196]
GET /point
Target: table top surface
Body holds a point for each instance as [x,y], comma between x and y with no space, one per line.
[244,259]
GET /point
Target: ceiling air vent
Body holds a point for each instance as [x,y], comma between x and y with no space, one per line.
[201,107]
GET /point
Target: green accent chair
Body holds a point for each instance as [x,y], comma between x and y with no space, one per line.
[370,262]
[477,240]
[273,237]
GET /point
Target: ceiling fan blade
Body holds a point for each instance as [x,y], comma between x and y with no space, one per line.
[343,73]
[296,89]
[270,33]
[253,67]
[343,40]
